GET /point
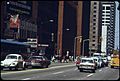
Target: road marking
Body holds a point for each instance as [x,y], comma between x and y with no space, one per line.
[30,70]
[89,75]
[100,70]
[58,72]
[26,79]
[75,69]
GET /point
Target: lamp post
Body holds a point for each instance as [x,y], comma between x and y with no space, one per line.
[83,46]
[75,45]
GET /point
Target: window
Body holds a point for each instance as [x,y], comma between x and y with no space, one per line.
[94,32]
[95,3]
[93,36]
[94,28]
[94,19]
[94,15]
[19,58]
[94,11]
[94,7]
[107,8]
[94,23]
[93,44]
[93,40]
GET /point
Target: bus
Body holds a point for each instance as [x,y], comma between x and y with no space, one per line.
[11,46]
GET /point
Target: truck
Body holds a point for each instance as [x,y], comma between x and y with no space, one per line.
[115,61]
[15,61]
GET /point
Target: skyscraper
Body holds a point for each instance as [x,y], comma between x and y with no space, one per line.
[102,26]
[108,26]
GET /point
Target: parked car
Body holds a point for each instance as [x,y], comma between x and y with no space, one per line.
[39,61]
[14,61]
[87,63]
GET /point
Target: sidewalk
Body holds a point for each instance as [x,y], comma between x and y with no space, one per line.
[60,64]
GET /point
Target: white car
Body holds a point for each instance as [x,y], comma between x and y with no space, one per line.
[98,62]
[87,63]
[13,61]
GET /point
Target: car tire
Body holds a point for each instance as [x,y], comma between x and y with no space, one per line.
[112,66]
[81,70]
[93,71]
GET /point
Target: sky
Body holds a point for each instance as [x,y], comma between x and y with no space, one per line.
[117,27]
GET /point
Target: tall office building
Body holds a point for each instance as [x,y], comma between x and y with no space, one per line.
[94,33]
[108,26]
[102,26]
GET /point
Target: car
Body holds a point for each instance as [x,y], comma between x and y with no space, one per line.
[105,61]
[13,61]
[39,61]
[87,63]
[97,60]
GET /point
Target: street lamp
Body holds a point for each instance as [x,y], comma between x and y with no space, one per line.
[75,44]
[83,46]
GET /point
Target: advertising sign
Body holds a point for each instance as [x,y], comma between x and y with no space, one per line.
[14,21]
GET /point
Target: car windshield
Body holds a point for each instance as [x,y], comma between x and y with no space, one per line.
[11,57]
[85,60]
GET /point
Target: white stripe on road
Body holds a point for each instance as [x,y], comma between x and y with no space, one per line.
[89,75]
[58,72]
[26,79]
[30,70]
[75,69]
[100,70]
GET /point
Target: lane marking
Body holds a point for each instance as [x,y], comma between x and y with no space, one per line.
[58,72]
[26,79]
[75,69]
[100,70]
[89,75]
[31,70]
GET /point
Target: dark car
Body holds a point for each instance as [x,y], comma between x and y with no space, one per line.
[39,61]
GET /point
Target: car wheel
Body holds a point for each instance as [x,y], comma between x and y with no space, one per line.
[112,66]
[81,70]
[93,71]
[78,67]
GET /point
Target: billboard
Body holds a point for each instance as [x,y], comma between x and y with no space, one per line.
[14,21]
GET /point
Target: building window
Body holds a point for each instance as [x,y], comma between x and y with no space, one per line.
[94,15]
[103,8]
[94,11]
[95,3]
[93,44]
[94,28]
[93,40]
[94,32]
[107,8]
[94,23]
[95,7]
[94,19]
[93,36]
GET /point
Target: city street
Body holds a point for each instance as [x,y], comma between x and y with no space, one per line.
[61,71]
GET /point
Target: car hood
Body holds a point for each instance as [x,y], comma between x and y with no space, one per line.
[8,61]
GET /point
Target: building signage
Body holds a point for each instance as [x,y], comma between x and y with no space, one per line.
[14,21]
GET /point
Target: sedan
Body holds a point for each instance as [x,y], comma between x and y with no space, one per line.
[39,61]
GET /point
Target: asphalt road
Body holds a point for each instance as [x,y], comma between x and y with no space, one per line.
[61,72]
